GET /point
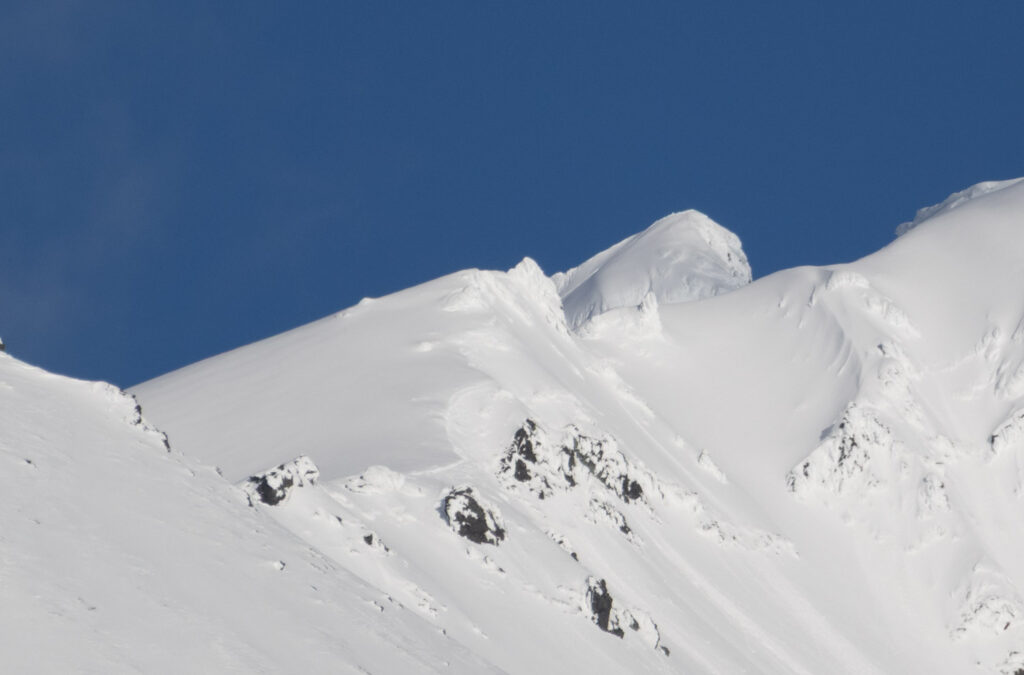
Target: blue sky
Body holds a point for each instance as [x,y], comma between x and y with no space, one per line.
[179,179]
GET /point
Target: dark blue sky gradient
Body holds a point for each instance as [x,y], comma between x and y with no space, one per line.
[180,179]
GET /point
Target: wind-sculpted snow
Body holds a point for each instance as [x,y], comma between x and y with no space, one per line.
[843,463]
[522,291]
[127,406]
[682,257]
[989,606]
[955,200]
[705,462]
[869,298]
[377,480]
[1009,434]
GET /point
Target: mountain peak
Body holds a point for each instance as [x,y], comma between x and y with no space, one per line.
[682,257]
[956,200]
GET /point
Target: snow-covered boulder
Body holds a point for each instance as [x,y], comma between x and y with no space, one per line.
[600,607]
[599,602]
[273,487]
[468,516]
[377,480]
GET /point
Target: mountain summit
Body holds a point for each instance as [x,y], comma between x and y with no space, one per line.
[682,257]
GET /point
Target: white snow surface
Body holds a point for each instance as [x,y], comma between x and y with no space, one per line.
[817,472]
[120,556]
[955,200]
[682,257]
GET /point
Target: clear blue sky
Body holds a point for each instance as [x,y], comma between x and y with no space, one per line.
[179,179]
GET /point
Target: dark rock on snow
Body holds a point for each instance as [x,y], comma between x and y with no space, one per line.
[600,603]
[544,466]
[470,518]
[273,486]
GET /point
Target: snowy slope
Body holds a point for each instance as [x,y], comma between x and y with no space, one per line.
[119,555]
[816,472]
[955,200]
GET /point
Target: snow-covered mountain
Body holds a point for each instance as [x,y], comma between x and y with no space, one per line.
[644,464]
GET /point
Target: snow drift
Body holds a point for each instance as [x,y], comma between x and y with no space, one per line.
[682,257]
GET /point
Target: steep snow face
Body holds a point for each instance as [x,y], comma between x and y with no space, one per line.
[120,555]
[363,386]
[682,257]
[817,472]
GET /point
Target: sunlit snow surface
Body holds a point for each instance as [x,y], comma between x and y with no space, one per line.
[118,556]
[817,472]
[682,257]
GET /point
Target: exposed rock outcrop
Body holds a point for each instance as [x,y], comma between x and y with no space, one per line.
[273,487]
[542,466]
[600,602]
[127,406]
[989,606]
[600,606]
[846,455]
[470,517]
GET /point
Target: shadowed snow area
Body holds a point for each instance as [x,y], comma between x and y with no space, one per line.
[622,468]
[682,257]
